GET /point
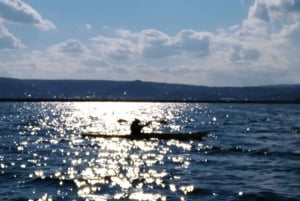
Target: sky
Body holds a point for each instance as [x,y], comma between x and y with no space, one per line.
[198,42]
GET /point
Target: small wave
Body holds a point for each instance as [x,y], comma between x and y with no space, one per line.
[252,152]
[294,130]
[229,150]
[47,181]
[264,196]
[202,191]
[19,199]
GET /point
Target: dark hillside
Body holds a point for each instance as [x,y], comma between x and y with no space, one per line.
[137,90]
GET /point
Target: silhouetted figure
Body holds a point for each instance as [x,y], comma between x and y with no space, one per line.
[136,127]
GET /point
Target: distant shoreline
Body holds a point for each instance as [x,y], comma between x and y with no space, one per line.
[148,100]
[139,91]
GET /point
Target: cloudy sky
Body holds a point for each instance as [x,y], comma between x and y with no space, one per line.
[200,42]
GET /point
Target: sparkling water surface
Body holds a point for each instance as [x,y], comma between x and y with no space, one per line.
[251,153]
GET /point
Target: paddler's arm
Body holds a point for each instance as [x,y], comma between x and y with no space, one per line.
[147,124]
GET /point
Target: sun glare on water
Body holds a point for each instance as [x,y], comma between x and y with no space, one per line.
[115,117]
[113,168]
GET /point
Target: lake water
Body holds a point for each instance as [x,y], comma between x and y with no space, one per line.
[251,153]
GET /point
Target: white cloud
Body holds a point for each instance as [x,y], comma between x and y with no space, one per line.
[273,15]
[268,38]
[19,12]
[16,11]
[155,44]
[255,52]
[260,11]
[95,63]
[262,49]
[151,43]
[8,40]
[240,53]
[114,48]
[197,43]
[88,26]
[271,10]
[71,47]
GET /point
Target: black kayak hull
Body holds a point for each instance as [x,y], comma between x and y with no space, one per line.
[163,136]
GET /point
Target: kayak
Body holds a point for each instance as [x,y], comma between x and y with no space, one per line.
[163,136]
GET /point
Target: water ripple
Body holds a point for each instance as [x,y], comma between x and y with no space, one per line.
[251,152]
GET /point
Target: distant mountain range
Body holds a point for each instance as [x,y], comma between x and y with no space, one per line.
[39,90]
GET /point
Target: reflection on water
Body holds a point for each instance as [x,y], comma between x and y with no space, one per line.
[126,169]
[251,153]
[51,147]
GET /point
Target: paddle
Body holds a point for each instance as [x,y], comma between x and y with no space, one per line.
[161,121]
